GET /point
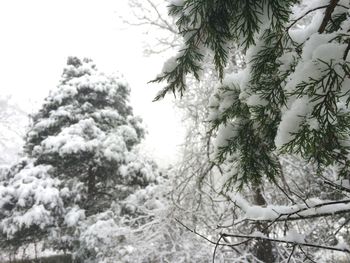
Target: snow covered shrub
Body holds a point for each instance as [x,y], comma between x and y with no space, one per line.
[30,203]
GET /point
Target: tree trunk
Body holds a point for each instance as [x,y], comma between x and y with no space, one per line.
[328,15]
[264,248]
[91,184]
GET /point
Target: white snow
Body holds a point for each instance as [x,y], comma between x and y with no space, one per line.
[176,2]
[291,120]
[294,236]
[73,216]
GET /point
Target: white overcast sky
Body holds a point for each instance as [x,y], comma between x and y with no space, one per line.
[36,37]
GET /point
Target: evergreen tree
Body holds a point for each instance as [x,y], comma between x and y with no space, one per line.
[82,151]
[87,121]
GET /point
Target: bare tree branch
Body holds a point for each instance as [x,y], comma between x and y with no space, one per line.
[345,250]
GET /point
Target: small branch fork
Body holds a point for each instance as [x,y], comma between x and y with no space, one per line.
[329,10]
[305,14]
[327,17]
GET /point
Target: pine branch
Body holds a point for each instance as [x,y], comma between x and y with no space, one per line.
[187,63]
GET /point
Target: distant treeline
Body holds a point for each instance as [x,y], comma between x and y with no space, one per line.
[52,259]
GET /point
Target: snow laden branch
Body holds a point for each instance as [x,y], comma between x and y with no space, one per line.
[205,25]
[309,209]
[274,214]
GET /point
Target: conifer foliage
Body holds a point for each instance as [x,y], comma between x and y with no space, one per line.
[292,97]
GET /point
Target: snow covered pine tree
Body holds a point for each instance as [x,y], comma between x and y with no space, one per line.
[81,162]
[293,97]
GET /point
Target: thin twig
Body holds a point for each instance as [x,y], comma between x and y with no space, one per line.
[291,254]
[306,255]
[344,224]
[306,13]
[216,246]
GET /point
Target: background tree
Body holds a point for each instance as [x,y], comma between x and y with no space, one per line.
[13,120]
[82,144]
[152,15]
[87,120]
